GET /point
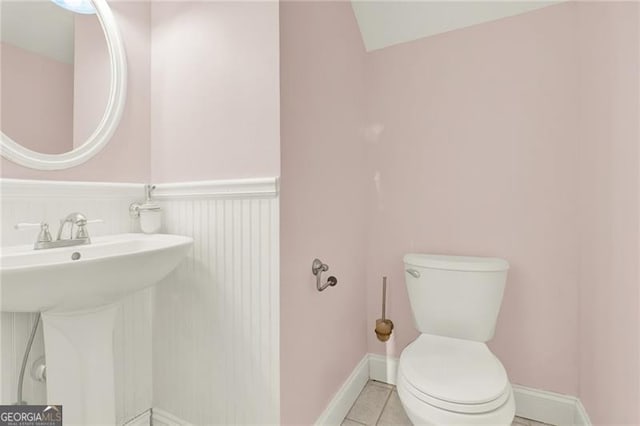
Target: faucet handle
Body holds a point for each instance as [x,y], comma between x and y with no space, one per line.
[82,228]
[43,237]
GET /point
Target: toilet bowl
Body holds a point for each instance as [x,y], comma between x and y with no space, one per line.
[448,375]
[448,381]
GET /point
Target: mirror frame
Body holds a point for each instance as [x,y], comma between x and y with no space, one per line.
[17,153]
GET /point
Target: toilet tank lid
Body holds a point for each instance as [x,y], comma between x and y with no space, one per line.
[456,263]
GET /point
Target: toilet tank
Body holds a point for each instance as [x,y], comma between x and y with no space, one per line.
[455,296]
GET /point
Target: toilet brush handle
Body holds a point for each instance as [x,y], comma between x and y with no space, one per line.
[384,297]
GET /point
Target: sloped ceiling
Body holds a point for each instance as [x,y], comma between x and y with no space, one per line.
[385,23]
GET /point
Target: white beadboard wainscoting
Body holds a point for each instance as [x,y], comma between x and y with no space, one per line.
[50,201]
[216,318]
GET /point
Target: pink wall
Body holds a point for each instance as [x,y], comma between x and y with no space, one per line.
[519,138]
[126,157]
[36,89]
[609,356]
[92,77]
[215,82]
[323,335]
[472,140]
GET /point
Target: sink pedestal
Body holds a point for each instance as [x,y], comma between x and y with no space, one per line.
[80,369]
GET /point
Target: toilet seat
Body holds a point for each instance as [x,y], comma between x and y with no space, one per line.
[421,413]
[452,374]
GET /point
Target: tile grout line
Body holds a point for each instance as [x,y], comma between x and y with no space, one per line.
[352,405]
[377,384]
[384,407]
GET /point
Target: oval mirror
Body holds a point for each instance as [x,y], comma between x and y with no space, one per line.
[63,81]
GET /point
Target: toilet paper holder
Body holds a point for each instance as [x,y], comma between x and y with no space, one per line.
[317,267]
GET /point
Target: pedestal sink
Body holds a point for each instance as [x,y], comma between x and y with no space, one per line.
[78,290]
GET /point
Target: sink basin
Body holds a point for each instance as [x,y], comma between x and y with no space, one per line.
[79,291]
[106,270]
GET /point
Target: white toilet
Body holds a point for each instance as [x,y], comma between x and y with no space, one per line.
[448,376]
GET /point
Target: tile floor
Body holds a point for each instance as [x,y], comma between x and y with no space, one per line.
[378,404]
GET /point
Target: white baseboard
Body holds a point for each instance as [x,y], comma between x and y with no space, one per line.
[341,403]
[163,418]
[383,368]
[142,419]
[581,418]
[549,407]
[534,404]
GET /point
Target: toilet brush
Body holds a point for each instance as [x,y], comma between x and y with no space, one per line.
[384,326]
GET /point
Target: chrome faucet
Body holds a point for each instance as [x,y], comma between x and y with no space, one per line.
[45,241]
[75,219]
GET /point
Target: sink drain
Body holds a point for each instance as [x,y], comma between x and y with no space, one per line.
[76,255]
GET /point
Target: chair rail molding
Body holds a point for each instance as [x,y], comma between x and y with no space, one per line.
[24,188]
[236,188]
